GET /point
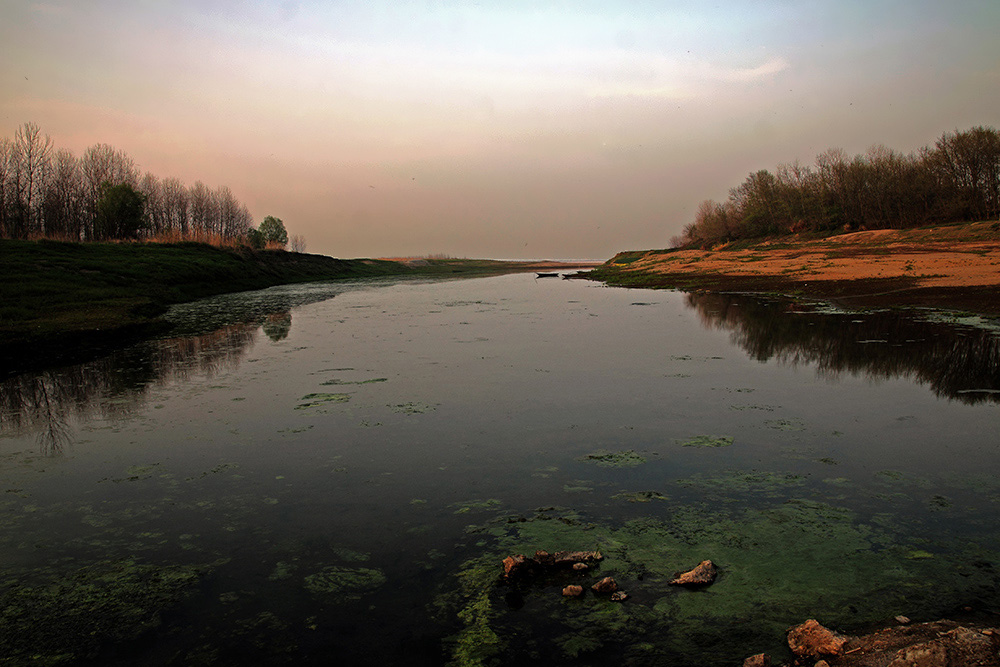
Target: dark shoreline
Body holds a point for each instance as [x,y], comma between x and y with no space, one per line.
[859,294]
[64,302]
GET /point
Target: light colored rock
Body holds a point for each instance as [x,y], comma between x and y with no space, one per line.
[813,640]
[702,575]
[759,660]
[572,591]
[605,585]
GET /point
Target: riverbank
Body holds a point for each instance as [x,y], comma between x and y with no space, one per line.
[955,267]
[56,297]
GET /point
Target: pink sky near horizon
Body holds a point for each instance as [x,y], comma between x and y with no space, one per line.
[515,130]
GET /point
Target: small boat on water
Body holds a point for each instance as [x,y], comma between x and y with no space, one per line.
[546,275]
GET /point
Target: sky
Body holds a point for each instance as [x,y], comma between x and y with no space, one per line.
[509,129]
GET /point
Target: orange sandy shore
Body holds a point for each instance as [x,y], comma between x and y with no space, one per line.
[949,266]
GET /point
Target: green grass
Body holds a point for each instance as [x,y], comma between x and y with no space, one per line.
[49,288]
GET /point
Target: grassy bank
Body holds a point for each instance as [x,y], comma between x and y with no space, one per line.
[57,296]
[52,288]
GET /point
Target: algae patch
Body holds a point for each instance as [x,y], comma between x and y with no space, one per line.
[707,441]
[781,562]
[621,459]
[313,400]
[640,496]
[412,408]
[343,583]
[53,618]
[342,382]
[477,504]
[745,481]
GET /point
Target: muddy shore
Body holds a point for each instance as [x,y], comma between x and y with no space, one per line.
[954,267]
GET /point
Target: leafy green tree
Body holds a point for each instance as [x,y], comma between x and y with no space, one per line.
[255,239]
[120,212]
[273,231]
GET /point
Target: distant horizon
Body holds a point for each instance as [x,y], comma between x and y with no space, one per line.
[515,130]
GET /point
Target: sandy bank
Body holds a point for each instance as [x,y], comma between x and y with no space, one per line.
[954,266]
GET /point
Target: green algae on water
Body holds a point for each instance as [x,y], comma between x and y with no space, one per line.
[341,382]
[312,400]
[343,583]
[46,617]
[781,562]
[745,481]
[350,555]
[477,643]
[640,496]
[621,459]
[707,441]
[785,424]
[412,408]
[477,504]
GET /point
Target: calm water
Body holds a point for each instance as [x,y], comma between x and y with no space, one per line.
[332,473]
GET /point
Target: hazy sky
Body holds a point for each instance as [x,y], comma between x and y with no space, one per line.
[492,129]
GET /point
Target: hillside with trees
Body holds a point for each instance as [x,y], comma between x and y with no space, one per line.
[102,195]
[958,179]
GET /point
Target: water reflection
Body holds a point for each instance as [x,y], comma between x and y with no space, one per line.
[956,362]
[117,385]
[277,325]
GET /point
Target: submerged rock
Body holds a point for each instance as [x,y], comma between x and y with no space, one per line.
[605,585]
[619,596]
[759,660]
[572,591]
[812,640]
[702,575]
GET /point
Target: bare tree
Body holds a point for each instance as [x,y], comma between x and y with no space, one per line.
[201,207]
[52,193]
[102,164]
[64,197]
[154,211]
[297,243]
[175,206]
[32,164]
[6,187]
[970,164]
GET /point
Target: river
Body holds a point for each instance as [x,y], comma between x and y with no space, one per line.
[333,473]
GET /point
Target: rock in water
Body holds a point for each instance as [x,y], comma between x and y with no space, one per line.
[573,591]
[605,585]
[759,660]
[516,565]
[702,575]
[813,640]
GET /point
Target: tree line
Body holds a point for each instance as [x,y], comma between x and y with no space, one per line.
[957,179]
[102,196]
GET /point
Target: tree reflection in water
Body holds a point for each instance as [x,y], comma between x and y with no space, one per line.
[115,386]
[277,325]
[956,362]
